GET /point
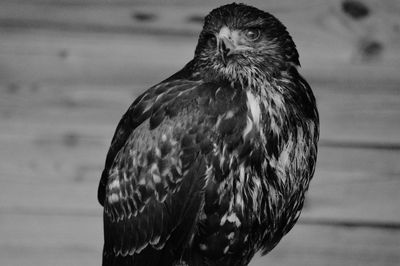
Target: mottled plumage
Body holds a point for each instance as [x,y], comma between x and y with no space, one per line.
[212,164]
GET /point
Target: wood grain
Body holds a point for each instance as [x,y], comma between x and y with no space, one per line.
[330,42]
[76,240]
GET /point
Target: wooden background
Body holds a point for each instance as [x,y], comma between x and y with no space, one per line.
[70,68]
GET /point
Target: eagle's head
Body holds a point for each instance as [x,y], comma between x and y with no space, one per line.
[240,43]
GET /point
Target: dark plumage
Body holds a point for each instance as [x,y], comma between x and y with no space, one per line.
[212,164]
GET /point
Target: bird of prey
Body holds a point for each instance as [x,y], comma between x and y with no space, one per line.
[212,165]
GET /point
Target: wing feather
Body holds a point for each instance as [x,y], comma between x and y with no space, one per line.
[144,107]
[152,184]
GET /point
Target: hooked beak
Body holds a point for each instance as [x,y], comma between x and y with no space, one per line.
[226,44]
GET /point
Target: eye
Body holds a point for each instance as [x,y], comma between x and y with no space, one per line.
[252,34]
[211,39]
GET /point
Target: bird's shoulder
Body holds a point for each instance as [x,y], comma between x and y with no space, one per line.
[159,151]
[171,123]
[152,106]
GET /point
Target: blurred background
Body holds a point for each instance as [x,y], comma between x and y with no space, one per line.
[70,68]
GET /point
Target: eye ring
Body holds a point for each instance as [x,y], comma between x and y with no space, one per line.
[252,34]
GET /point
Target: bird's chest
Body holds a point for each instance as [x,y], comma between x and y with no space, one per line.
[238,192]
[267,116]
[228,226]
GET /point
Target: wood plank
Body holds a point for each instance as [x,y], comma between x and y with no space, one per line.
[359,111]
[43,57]
[50,240]
[314,245]
[355,185]
[65,240]
[330,42]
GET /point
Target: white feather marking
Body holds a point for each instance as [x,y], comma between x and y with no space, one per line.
[277,99]
[114,184]
[239,201]
[155,240]
[241,173]
[248,128]
[158,152]
[283,161]
[142,181]
[139,249]
[229,114]
[233,219]
[113,198]
[274,126]
[256,193]
[156,178]
[226,249]
[311,126]
[257,183]
[203,247]
[209,174]
[284,156]
[254,106]
[120,195]
[219,119]
[223,220]
[154,168]
[273,161]
[148,107]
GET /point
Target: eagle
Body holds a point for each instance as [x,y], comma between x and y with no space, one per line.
[212,165]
